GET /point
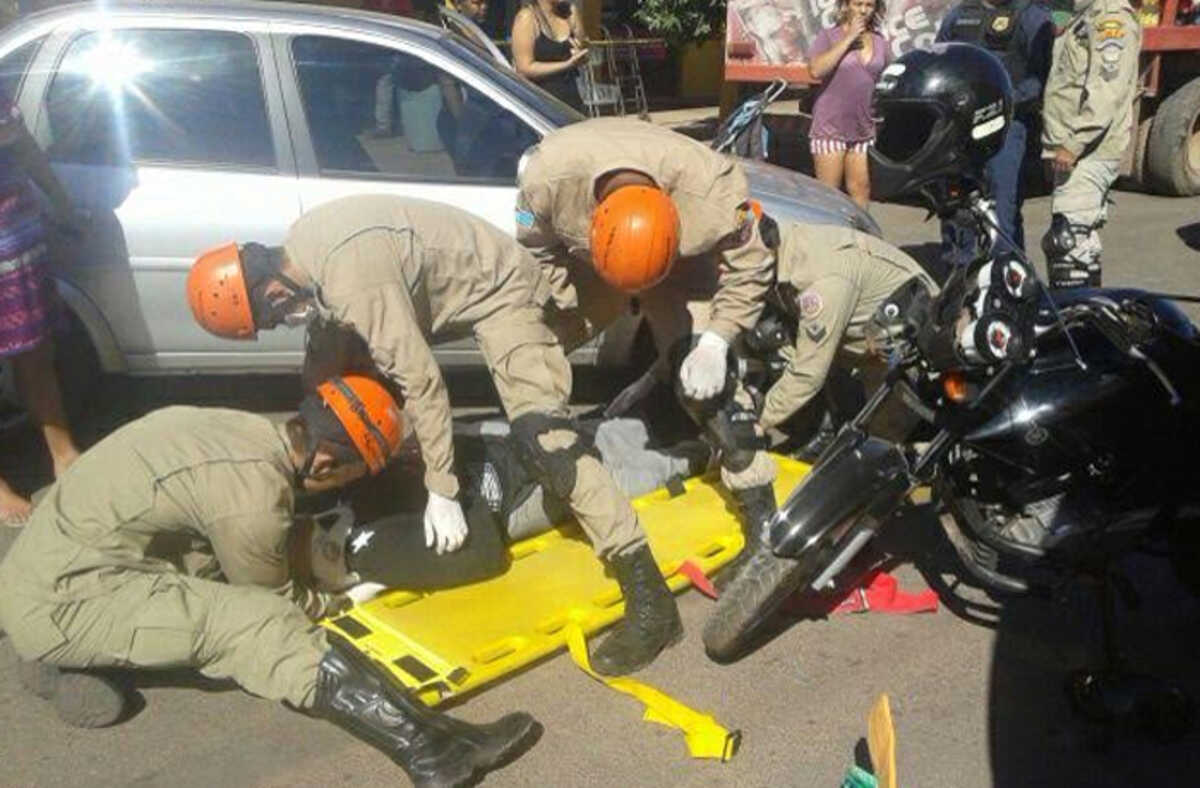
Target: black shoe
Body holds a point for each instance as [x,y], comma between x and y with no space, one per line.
[651,621]
[81,699]
[756,508]
[436,751]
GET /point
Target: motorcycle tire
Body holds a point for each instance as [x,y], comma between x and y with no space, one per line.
[760,587]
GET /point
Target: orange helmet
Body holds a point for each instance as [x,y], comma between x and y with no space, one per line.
[369,415]
[635,237]
[218,296]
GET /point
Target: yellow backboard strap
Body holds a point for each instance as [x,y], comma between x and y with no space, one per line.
[705,737]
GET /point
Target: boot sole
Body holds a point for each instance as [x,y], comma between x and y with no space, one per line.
[514,748]
[481,765]
[673,641]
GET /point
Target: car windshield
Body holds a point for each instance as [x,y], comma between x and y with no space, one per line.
[555,111]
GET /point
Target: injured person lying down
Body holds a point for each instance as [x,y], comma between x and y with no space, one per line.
[362,539]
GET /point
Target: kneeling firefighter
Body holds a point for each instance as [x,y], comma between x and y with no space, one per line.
[608,206]
[384,274]
[93,581]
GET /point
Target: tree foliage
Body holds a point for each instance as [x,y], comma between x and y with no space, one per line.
[682,21]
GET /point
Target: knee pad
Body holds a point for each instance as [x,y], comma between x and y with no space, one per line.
[553,468]
[1072,253]
[732,430]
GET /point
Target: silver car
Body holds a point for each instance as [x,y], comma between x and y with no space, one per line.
[180,125]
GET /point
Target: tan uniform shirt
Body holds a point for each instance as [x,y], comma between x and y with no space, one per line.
[556,199]
[398,272]
[1088,105]
[174,483]
[838,277]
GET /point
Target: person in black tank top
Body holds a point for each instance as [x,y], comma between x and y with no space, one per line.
[541,51]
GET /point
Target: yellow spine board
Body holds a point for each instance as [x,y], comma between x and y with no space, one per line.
[447,643]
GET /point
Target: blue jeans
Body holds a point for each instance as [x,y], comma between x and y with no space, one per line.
[1003,173]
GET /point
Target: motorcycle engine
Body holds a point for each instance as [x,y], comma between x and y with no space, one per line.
[1043,524]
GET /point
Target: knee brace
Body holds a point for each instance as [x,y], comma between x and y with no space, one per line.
[1072,253]
[553,468]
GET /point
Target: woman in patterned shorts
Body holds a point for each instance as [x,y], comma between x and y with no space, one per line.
[847,58]
[26,293]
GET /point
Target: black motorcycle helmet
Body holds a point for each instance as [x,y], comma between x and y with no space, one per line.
[945,111]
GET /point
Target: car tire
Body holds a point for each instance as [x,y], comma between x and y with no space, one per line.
[1173,147]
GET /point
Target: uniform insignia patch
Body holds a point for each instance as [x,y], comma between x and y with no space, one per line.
[744,218]
[1110,58]
[810,304]
[1000,24]
[524,218]
[1109,29]
[815,331]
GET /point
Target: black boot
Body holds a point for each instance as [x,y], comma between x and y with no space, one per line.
[651,620]
[433,749]
[81,699]
[756,507]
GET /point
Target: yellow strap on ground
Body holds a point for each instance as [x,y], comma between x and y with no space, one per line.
[705,737]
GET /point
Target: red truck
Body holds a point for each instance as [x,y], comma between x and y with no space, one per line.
[768,39]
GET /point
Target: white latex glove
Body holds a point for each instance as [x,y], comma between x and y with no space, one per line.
[445,525]
[632,394]
[703,371]
[363,592]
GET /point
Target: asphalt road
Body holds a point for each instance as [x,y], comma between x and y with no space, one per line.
[976,691]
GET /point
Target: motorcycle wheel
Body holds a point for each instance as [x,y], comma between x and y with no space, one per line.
[761,586]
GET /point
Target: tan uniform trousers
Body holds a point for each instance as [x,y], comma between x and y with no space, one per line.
[1082,196]
[536,378]
[675,309]
[168,620]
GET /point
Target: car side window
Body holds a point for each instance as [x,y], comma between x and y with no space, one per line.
[376,112]
[160,96]
[14,65]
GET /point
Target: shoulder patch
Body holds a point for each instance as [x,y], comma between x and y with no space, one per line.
[810,304]
[524,218]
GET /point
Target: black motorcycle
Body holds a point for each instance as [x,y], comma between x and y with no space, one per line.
[1053,433]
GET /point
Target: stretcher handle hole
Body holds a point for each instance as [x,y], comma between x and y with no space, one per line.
[498,650]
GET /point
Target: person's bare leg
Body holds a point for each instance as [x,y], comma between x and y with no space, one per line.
[828,167]
[858,178]
[14,510]
[37,384]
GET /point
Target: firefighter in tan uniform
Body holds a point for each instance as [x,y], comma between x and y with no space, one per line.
[93,581]
[392,273]
[1088,114]
[833,281]
[606,206]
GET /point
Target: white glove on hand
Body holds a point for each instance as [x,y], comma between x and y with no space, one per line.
[445,525]
[632,394]
[363,592]
[703,371]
